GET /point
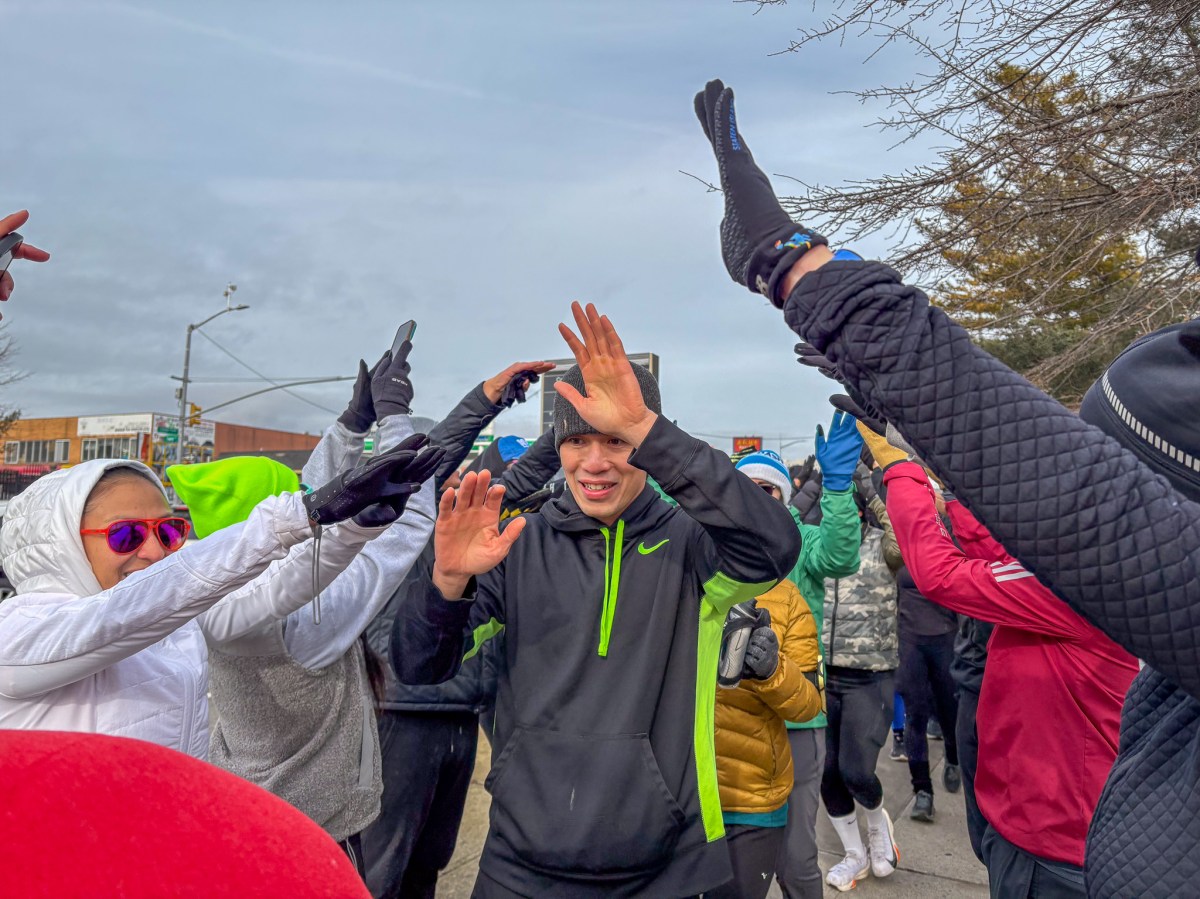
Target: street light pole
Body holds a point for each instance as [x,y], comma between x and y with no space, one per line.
[187,359]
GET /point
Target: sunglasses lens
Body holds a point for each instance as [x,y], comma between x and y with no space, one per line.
[767,488]
[172,532]
[125,537]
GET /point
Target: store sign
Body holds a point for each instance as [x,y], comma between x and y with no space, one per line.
[110,425]
[167,429]
[746,445]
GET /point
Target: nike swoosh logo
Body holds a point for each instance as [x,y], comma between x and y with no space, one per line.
[645,552]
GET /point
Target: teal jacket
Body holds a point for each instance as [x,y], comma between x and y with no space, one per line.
[828,550]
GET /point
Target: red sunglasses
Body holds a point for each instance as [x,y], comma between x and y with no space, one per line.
[127,535]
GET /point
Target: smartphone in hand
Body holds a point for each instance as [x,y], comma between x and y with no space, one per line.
[403,333]
[9,244]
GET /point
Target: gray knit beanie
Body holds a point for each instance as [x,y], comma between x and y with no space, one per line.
[567,422]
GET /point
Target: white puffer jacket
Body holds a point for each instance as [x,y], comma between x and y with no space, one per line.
[131,660]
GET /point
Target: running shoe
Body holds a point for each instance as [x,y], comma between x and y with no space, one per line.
[922,809]
[898,753]
[933,730]
[952,778]
[846,874]
[881,844]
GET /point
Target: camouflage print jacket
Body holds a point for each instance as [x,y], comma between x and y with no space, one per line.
[860,612]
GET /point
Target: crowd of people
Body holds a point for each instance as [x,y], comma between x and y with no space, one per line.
[678,658]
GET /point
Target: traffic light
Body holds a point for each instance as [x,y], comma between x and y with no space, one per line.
[194,415]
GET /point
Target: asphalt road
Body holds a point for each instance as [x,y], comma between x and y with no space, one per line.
[935,859]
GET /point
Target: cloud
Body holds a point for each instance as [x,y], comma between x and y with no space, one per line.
[367,70]
[475,168]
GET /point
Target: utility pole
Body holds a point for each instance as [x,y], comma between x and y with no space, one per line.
[187,359]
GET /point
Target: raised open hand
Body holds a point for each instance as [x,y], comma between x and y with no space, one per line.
[612,400]
[467,539]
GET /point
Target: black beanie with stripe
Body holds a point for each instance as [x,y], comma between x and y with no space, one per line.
[1147,399]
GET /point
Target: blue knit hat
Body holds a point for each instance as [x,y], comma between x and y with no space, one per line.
[765,465]
[511,448]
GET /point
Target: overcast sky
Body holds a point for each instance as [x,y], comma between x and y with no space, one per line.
[472,165]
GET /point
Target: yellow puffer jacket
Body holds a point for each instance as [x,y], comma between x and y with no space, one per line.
[754,760]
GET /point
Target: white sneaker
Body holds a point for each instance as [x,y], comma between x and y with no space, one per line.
[846,874]
[881,843]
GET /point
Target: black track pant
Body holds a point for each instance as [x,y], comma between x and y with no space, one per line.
[752,852]
[1015,874]
[427,763]
[968,755]
[859,709]
[924,681]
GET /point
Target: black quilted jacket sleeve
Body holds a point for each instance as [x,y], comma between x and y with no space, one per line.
[1097,527]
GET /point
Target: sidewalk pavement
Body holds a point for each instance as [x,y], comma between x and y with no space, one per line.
[935,859]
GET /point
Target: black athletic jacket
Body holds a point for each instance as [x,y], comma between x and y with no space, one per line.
[1101,530]
[604,781]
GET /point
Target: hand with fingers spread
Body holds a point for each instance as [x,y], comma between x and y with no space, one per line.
[510,385]
[467,538]
[759,241]
[612,400]
[22,250]
[838,452]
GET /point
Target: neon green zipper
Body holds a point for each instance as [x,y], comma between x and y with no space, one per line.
[612,583]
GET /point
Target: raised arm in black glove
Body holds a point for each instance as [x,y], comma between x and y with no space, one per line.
[759,241]
[867,415]
[807,354]
[360,413]
[375,494]
[391,389]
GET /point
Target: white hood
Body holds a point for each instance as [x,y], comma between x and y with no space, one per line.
[41,550]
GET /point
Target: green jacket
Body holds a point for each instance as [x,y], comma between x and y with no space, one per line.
[829,550]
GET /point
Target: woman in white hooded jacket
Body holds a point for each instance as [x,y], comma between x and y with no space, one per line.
[107,642]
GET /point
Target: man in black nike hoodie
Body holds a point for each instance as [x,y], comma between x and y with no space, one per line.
[612,603]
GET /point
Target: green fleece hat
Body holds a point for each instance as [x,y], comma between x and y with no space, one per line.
[222,493]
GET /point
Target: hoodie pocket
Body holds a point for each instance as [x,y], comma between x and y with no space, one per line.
[584,804]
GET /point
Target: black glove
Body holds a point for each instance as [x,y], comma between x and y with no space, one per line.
[375,493]
[391,390]
[759,241]
[864,484]
[515,391]
[360,413]
[807,354]
[806,468]
[866,414]
[762,655]
[877,483]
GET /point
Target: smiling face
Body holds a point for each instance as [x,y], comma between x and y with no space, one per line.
[599,475]
[125,494]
